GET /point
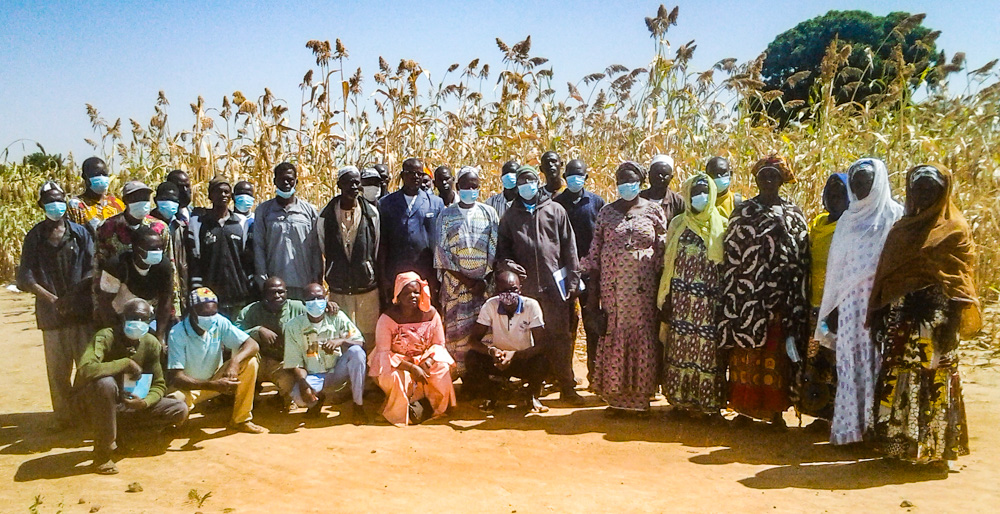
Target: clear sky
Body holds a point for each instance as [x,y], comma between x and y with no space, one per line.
[56,56]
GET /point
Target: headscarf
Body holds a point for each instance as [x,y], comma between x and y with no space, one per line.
[49,186]
[820,236]
[709,225]
[859,238]
[931,247]
[777,162]
[637,167]
[664,159]
[404,279]
[202,295]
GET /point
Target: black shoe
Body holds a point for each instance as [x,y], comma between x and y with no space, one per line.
[360,416]
[572,397]
[316,410]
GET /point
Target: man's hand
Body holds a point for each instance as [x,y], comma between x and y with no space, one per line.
[307,392]
[224,385]
[49,297]
[504,359]
[331,345]
[132,368]
[232,371]
[332,308]
[133,402]
[267,336]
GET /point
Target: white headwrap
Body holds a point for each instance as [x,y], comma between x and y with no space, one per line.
[856,249]
[467,170]
[346,169]
[49,186]
[662,158]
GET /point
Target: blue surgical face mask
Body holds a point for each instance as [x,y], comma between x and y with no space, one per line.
[243,203]
[134,329]
[468,195]
[168,208]
[99,184]
[528,190]
[316,307]
[207,322]
[575,183]
[139,209]
[699,202]
[628,191]
[55,210]
[509,180]
[153,257]
[285,194]
[722,183]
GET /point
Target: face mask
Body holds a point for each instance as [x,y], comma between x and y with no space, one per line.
[575,183]
[243,203]
[699,201]
[509,298]
[134,329]
[99,184]
[371,193]
[316,307]
[509,180]
[528,190]
[153,257]
[468,195]
[55,210]
[206,322]
[139,209]
[168,208]
[722,183]
[628,191]
[285,194]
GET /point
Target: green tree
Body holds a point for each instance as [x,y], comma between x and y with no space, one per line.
[794,58]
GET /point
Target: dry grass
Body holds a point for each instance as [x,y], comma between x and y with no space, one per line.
[478,114]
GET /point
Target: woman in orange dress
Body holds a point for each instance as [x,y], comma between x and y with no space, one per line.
[410,362]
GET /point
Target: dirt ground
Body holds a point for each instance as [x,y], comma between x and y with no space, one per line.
[564,460]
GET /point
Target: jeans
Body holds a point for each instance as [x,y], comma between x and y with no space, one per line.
[106,411]
[350,367]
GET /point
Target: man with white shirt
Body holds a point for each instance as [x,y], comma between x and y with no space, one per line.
[516,349]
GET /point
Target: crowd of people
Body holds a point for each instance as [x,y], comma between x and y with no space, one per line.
[713,300]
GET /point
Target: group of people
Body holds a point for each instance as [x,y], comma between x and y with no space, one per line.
[711,299]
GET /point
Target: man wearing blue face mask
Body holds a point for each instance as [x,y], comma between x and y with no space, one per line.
[167,200]
[96,204]
[56,265]
[536,240]
[144,272]
[582,207]
[120,381]
[195,360]
[508,180]
[284,236]
[220,259]
[325,352]
[114,236]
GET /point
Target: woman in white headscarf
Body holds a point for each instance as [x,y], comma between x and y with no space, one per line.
[850,272]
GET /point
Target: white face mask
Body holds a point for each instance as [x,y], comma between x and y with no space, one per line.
[371,193]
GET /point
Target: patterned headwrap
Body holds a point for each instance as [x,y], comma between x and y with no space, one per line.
[635,166]
[404,279]
[778,163]
[202,295]
[49,186]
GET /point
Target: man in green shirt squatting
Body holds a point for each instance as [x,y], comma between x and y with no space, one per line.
[194,358]
[121,381]
[325,352]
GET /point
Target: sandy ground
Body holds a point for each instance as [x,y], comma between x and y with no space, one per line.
[565,460]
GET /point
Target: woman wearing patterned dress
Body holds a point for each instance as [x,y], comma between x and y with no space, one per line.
[694,369]
[923,299]
[410,362]
[764,307]
[850,270]
[625,260]
[463,257]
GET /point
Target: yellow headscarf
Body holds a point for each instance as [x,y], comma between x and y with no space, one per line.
[709,224]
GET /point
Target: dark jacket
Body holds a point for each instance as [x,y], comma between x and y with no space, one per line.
[582,211]
[541,242]
[408,235]
[222,257]
[355,274]
[61,270]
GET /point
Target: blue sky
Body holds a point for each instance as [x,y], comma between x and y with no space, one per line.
[57,56]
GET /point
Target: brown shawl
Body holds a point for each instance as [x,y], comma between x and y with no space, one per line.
[928,248]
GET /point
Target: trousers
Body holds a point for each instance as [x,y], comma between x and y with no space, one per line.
[102,399]
[350,367]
